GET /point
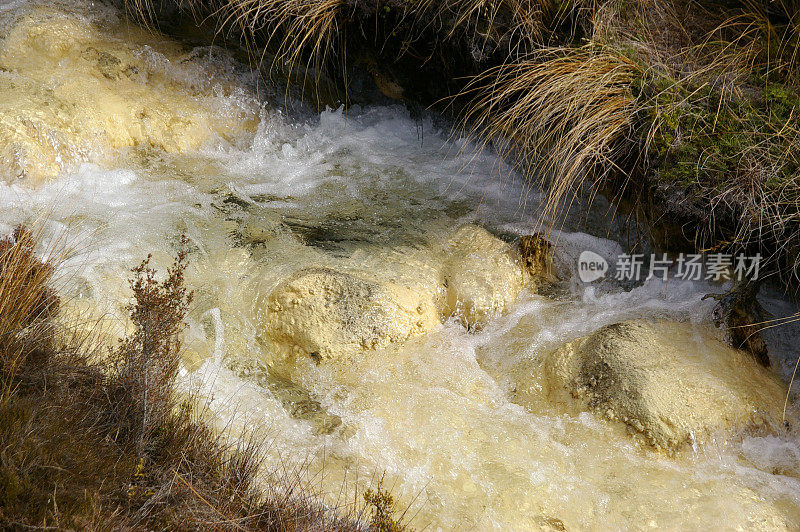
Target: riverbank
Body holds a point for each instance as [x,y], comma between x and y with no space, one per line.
[98,440]
[683,114]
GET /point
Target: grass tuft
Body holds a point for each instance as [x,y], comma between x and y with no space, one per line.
[564,113]
[108,444]
[26,304]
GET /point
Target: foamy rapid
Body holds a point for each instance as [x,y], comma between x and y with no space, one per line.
[363,190]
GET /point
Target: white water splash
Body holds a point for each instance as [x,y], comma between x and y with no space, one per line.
[350,189]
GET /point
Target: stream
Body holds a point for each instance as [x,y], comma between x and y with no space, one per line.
[125,140]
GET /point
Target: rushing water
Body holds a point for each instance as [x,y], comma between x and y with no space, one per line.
[261,194]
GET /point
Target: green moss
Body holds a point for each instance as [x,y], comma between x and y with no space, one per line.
[706,140]
[781,102]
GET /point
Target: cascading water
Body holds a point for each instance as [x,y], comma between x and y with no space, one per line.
[262,194]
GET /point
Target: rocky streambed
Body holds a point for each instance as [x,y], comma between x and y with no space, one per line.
[370,301]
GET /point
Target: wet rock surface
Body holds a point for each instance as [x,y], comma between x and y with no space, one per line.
[482,276]
[669,383]
[743,318]
[330,313]
[324,313]
[72,88]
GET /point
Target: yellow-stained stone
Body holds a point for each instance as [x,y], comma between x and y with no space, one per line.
[670,383]
[327,314]
[71,91]
[482,276]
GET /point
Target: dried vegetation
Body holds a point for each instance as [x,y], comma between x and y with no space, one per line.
[101,441]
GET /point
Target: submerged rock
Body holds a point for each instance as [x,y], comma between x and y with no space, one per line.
[484,275]
[299,402]
[325,314]
[667,383]
[72,89]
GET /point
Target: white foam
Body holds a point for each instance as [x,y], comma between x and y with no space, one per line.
[435,415]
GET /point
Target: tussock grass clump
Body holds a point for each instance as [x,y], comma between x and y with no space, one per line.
[509,28]
[300,34]
[567,113]
[303,32]
[720,125]
[26,303]
[777,26]
[105,443]
[690,108]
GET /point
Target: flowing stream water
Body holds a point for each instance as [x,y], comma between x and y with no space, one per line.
[262,193]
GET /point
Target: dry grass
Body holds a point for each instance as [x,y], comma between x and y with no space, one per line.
[695,99]
[509,27]
[309,38]
[26,304]
[778,25]
[108,445]
[567,114]
[302,34]
[722,126]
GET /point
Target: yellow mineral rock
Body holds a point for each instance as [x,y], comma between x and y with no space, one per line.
[71,91]
[483,275]
[325,314]
[669,383]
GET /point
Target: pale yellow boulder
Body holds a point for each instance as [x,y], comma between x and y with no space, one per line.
[72,91]
[326,314]
[670,383]
[482,276]
[397,294]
